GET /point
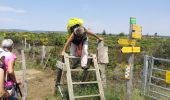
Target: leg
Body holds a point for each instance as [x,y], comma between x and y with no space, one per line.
[84,56]
[73,49]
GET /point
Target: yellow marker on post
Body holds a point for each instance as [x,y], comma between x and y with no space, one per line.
[167,77]
[126,42]
[136,35]
[137,28]
[130,49]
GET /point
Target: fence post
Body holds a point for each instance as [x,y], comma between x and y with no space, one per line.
[25,43]
[33,48]
[43,54]
[102,56]
[129,84]
[29,46]
[24,85]
[145,71]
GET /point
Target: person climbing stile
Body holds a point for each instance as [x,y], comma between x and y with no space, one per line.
[79,40]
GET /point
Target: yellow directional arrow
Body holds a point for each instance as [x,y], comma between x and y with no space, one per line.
[136,35]
[137,28]
[126,42]
[167,77]
[130,49]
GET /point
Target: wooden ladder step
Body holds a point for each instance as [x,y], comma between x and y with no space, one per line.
[79,57]
[87,96]
[82,70]
[91,82]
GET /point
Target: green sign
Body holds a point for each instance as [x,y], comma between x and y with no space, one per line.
[132,20]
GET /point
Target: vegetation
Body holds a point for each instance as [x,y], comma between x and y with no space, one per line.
[156,46]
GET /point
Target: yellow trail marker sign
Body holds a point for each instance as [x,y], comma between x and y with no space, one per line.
[136,35]
[137,28]
[126,42]
[167,77]
[130,49]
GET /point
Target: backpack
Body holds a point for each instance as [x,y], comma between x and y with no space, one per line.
[74,23]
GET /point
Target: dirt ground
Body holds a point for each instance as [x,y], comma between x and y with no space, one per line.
[40,85]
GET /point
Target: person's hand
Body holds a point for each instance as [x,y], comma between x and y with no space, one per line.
[18,82]
[63,52]
[101,39]
[9,92]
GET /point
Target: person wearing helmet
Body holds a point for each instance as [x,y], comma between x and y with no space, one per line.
[79,43]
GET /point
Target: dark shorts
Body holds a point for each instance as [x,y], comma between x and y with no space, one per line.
[14,93]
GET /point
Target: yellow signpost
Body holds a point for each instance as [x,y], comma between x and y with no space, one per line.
[126,42]
[130,49]
[167,77]
[136,35]
[137,28]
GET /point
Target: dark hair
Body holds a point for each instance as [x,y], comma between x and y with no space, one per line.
[73,27]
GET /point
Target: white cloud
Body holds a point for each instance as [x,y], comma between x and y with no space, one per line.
[11,9]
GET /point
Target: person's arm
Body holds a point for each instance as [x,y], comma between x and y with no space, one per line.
[3,93]
[94,35]
[11,70]
[67,43]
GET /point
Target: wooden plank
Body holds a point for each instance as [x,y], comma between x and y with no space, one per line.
[101,91]
[87,96]
[102,68]
[103,59]
[24,85]
[69,78]
[82,70]
[90,82]
[103,55]
[61,65]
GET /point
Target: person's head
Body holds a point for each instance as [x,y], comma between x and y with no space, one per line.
[7,44]
[80,31]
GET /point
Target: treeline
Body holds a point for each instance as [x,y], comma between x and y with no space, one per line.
[158,47]
[50,39]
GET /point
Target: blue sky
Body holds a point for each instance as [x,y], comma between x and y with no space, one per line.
[111,15]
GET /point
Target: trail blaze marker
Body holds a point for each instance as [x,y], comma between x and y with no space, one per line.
[136,35]
[132,20]
[130,49]
[137,28]
[167,77]
[126,42]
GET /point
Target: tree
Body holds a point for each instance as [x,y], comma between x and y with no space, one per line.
[104,32]
[156,34]
[121,34]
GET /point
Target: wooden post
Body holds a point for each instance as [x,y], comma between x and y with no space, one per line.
[25,43]
[33,47]
[129,84]
[43,54]
[22,42]
[102,56]
[24,85]
[29,46]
